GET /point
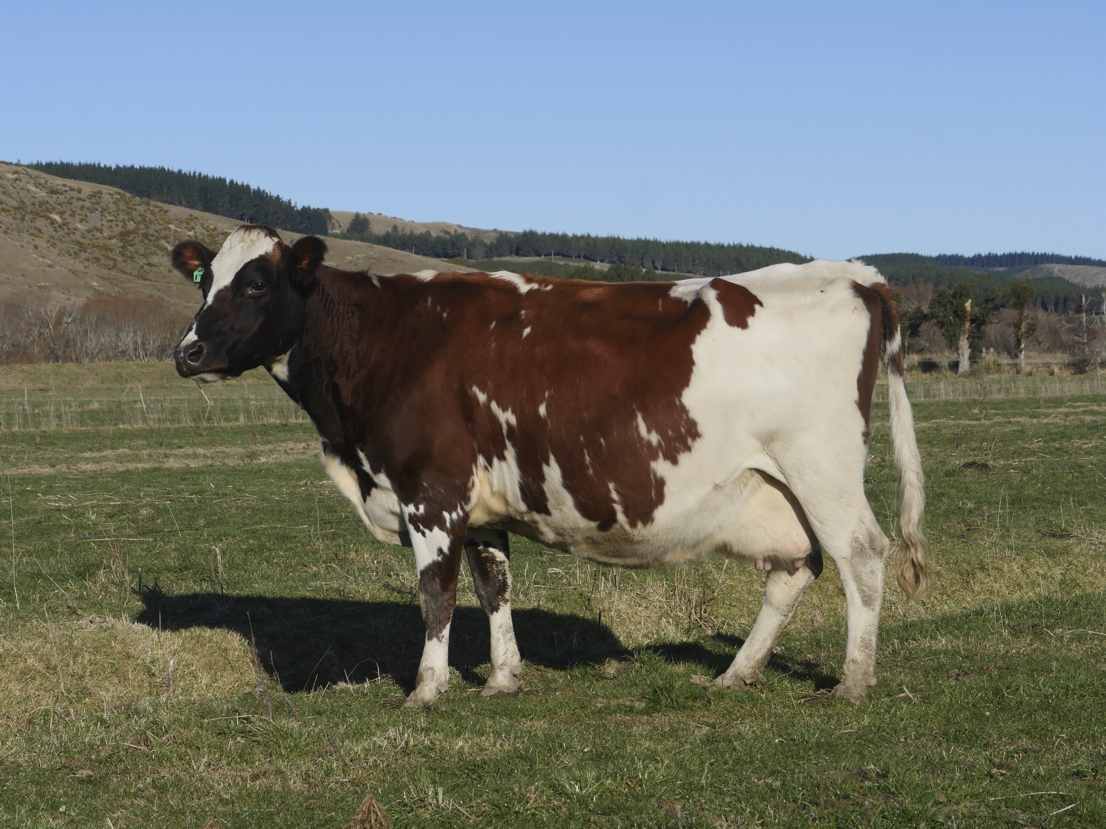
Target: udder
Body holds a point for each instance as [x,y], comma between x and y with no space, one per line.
[770,526]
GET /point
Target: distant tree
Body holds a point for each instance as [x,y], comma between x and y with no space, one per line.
[911,322]
[628,272]
[359,226]
[961,324]
[1084,351]
[1019,296]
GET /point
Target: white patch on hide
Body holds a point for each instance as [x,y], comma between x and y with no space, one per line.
[524,285]
[240,248]
[278,367]
[380,511]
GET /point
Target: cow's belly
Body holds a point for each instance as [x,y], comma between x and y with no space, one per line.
[753,517]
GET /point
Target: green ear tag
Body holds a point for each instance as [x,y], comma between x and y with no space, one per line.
[198,274]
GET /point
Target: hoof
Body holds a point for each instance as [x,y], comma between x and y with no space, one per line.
[423,696]
[738,683]
[507,686]
[850,693]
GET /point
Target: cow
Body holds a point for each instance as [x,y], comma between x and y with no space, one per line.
[638,424]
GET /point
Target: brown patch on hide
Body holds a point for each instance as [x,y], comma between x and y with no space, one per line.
[491,574]
[433,378]
[438,591]
[738,302]
[869,364]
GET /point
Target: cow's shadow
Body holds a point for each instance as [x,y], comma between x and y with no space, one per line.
[306,643]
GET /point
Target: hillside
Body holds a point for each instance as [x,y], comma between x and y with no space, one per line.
[1085,276]
[69,240]
[66,240]
[1057,286]
[381,224]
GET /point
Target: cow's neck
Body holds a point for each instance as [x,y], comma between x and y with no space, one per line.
[330,357]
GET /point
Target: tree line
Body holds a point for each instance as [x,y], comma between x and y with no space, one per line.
[1015,260]
[197,191]
[1052,294]
[962,312]
[701,258]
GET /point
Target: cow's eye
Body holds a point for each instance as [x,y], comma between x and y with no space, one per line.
[258,287]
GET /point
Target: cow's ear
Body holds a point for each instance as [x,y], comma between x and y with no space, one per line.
[306,256]
[193,260]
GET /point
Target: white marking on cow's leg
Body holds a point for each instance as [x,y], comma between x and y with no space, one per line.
[506,662]
[433,678]
[782,593]
[862,577]
[825,471]
[437,558]
[849,533]
[487,553]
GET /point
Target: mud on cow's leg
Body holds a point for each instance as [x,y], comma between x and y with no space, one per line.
[489,560]
[784,588]
[438,559]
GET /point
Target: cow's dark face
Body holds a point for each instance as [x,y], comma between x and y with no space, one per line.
[255,291]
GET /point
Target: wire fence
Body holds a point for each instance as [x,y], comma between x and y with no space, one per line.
[240,403]
[144,535]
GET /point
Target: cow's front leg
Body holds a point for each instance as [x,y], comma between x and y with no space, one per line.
[489,561]
[437,558]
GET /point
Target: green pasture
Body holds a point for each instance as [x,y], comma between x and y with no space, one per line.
[193,626]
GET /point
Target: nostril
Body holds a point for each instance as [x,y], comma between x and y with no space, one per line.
[194,354]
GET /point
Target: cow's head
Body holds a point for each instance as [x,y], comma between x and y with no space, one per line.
[254,301]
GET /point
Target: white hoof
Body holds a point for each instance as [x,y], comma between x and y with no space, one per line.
[427,690]
[734,682]
[501,684]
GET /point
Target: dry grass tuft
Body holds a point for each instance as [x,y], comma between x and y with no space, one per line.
[68,669]
[370,815]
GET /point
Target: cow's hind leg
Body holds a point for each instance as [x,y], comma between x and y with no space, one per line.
[489,560]
[784,588]
[850,535]
[861,567]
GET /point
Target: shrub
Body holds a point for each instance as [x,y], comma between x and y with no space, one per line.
[37,329]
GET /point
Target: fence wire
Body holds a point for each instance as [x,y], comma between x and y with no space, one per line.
[143,535]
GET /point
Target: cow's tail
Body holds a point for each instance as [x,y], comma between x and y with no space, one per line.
[914,572]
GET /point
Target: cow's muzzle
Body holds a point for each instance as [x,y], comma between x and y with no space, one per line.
[195,360]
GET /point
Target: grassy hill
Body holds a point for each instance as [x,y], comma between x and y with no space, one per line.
[66,241]
[1058,286]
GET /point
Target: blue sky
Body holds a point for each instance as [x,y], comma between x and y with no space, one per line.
[835,129]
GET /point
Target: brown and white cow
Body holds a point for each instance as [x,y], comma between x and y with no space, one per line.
[641,424]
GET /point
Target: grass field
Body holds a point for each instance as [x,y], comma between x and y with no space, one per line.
[193,626]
